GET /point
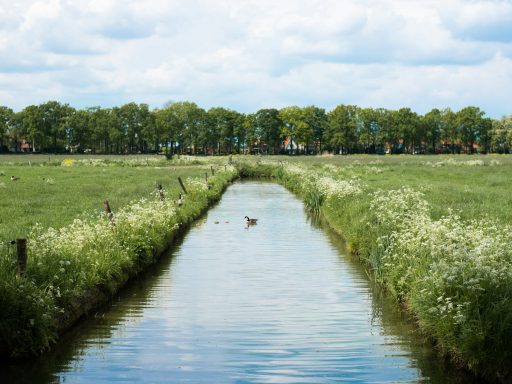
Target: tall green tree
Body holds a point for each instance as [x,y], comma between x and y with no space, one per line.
[80,133]
[388,129]
[268,126]
[134,119]
[342,126]
[470,124]
[501,135]
[54,124]
[449,133]
[485,135]
[240,132]
[224,122]
[407,124]
[433,122]
[6,117]
[370,136]
[252,136]
[31,124]
[316,120]
[166,128]
[295,127]
[189,119]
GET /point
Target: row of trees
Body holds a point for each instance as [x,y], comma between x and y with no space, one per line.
[184,127]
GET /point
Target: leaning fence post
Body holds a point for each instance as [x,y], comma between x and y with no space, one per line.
[109,213]
[213,172]
[21,250]
[161,192]
[206,177]
[182,185]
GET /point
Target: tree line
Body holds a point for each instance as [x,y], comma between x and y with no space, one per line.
[184,127]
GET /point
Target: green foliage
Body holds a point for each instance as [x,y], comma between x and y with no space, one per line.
[90,256]
[313,199]
[433,230]
[341,132]
[185,128]
[452,272]
[71,187]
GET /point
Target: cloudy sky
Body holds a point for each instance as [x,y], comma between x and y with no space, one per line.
[246,54]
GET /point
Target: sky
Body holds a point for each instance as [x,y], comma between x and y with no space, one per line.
[246,55]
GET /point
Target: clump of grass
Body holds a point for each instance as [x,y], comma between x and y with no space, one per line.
[313,199]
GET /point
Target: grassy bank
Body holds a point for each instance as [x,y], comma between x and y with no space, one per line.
[436,233]
[54,193]
[75,266]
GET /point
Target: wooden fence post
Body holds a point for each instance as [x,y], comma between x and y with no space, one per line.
[213,173]
[161,192]
[109,213]
[21,250]
[206,177]
[182,185]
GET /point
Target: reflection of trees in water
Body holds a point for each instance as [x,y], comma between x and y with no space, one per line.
[397,323]
[124,308]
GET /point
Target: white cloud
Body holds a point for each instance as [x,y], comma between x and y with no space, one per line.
[251,54]
[489,20]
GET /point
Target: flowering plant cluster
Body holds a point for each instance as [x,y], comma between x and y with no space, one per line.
[68,263]
[141,161]
[454,275]
[462,163]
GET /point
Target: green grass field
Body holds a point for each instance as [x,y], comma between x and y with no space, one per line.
[473,186]
[435,231]
[54,195]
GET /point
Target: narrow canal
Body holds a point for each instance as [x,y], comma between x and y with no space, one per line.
[277,302]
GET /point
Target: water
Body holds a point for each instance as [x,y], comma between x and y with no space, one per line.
[277,302]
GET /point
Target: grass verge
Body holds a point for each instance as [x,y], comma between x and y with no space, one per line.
[448,264]
[74,268]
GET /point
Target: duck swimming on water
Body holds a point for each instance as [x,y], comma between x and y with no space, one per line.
[250,221]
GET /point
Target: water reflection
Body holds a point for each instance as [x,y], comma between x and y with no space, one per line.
[274,302]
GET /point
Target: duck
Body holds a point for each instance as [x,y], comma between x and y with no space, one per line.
[179,202]
[250,221]
[14,178]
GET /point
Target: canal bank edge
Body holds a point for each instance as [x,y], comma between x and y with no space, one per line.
[195,204]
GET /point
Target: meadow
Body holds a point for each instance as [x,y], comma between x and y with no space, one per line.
[434,231]
[473,186]
[52,191]
[77,257]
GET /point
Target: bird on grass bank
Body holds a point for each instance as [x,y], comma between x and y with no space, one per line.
[14,178]
[250,221]
[179,202]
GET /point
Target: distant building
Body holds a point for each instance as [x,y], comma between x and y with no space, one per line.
[289,145]
[26,146]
